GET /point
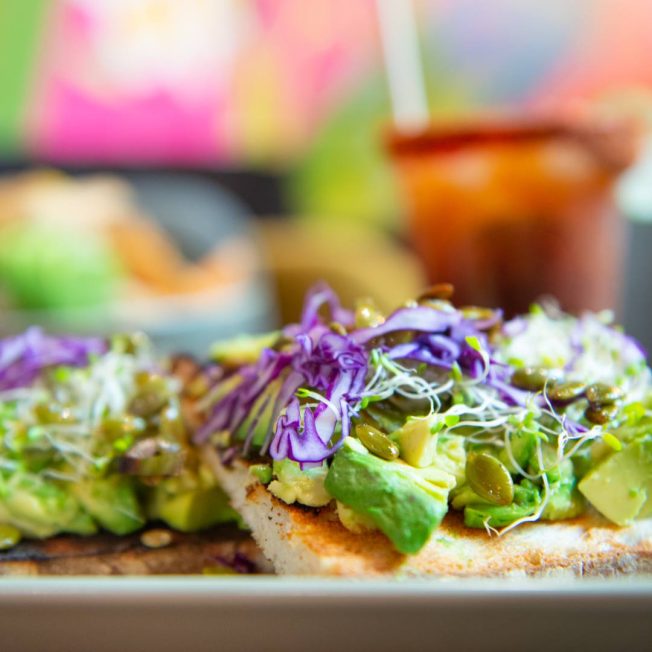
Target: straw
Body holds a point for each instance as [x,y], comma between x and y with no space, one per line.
[400,43]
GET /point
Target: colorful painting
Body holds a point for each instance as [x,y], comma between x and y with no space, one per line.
[259,82]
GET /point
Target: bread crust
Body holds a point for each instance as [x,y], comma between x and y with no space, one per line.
[307,541]
[106,554]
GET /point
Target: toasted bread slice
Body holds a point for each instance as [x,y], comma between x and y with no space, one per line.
[106,554]
[306,541]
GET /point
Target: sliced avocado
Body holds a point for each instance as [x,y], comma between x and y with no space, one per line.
[112,502]
[403,505]
[620,487]
[243,349]
[479,515]
[416,441]
[192,510]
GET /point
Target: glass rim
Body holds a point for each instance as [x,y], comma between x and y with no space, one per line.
[613,143]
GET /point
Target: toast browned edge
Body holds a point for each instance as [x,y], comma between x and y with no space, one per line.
[106,554]
[307,541]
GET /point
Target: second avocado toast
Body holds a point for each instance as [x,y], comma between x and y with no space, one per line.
[94,447]
[437,441]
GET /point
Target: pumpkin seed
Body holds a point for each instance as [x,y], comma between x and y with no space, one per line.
[367,314]
[438,304]
[172,424]
[490,479]
[441,291]
[53,413]
[534,379]
[197,387]
[376,442]
[603,394]
[601,414]
[158,538]
[476,313]
[566,392]
[117,427]
[152,396]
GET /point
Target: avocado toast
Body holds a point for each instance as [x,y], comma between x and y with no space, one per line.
[437,441]
[94,448]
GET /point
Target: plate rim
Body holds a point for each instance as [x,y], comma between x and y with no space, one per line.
[143,590]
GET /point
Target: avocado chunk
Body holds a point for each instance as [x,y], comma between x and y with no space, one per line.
[480,515]
[416,441]
[406,507]
[302,486]
[39,508]
[262,472]
[556,471]
[564,499]
[112,502]
[522,446]
[242,349]
[354,521]
[620,487]
[450,456]
[463,495]
[192,510]
[82,523]
[423,443]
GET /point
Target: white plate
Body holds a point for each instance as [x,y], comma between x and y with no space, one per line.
[288,614]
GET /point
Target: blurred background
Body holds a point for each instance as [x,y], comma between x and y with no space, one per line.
[190,168]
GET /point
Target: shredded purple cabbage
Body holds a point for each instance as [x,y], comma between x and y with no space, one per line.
[24,356]
[332,365]
[334,368]
[445,344]
[419,318]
